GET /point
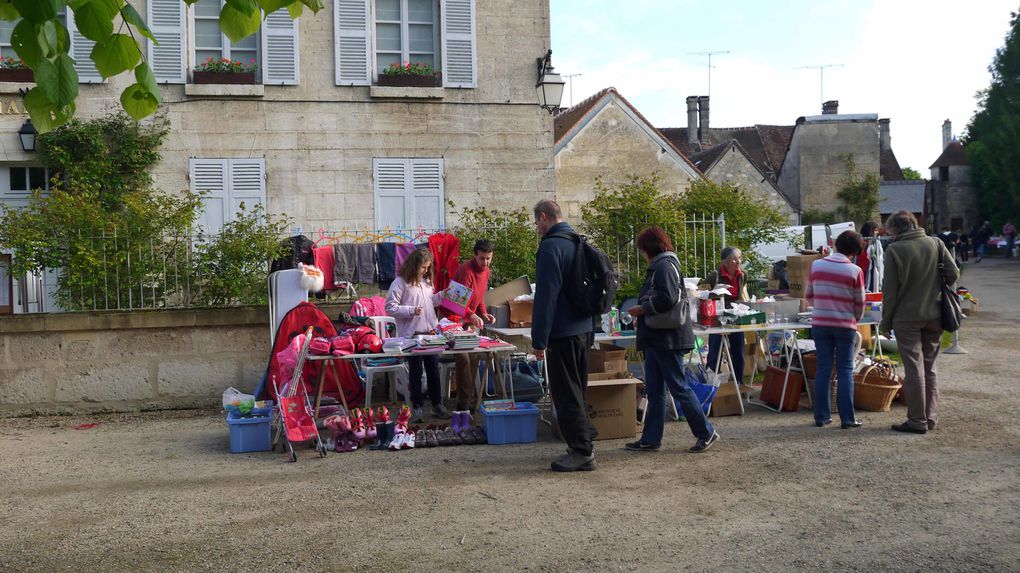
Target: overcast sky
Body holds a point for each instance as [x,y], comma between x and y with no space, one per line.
[917,62]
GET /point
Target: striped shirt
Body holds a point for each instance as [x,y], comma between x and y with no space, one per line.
[836,291]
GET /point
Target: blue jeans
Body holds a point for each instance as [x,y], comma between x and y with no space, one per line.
[736,353]
[665,369]
[834,344]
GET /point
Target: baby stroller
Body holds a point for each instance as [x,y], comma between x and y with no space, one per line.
[296,422]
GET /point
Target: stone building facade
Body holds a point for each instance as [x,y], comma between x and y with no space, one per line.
[729,163]
[605,137]
[952,196]
[316,137]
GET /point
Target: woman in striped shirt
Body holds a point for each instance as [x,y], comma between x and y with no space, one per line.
[836,291]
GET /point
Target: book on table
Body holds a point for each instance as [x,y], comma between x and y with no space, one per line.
[456,298]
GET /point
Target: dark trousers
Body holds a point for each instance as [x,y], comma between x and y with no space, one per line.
[431,364]
[567,360]
[736,353]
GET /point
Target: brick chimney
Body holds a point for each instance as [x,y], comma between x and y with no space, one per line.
[883,134]
[702,118]
[830,107]
[692,119]
[947,133]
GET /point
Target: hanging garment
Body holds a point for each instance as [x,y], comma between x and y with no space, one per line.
[345,265]
[324,261]
[403,249]
[297,249]
[364,273]
[446,252]
[386,260]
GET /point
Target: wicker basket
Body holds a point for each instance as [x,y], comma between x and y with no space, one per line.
[875,387]
[810,363]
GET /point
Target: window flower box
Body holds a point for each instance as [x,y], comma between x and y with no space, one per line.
[410,76]
[200,77]
[12,70]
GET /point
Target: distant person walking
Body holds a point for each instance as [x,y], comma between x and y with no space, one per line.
[836,291]
[1009,232]
[981,237]
[911,309]
[561,335]
[664,348]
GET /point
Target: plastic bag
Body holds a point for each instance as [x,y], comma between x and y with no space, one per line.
[237,401]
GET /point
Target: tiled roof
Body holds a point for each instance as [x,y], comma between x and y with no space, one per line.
[765,145]
[952,155]
[888,166]
[569,117]
[901,196]
[565,121]
[706,159]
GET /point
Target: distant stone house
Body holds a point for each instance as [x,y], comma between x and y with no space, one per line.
[952,196]
[729,163]
[805,161]
[605,137]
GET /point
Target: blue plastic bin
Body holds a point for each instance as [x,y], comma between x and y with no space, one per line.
[518,426]
[251,434]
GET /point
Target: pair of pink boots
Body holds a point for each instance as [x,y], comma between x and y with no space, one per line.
[350,432]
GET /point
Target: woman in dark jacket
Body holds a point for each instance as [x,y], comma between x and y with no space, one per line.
[664,348]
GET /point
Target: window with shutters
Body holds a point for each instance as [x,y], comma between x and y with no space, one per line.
[370,35]
[226,185]
[409,193]
[191,35]
[7,28]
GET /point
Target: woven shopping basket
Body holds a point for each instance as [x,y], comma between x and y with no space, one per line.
[810,363]
[875,387]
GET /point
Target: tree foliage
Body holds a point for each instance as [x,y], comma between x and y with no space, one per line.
[911,174]
[513,236]
[859,194]
[43,43]
[992,142]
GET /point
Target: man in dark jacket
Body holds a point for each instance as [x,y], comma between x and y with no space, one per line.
[561,335]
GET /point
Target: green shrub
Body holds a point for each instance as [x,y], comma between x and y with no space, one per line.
[513,236]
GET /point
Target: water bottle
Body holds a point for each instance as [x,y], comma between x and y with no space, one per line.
[614,322]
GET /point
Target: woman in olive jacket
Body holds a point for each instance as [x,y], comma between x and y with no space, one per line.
[664,348]
[912,308]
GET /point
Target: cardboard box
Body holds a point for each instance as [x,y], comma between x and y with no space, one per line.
[611,375]
[798,269]
[612,408]
[508,291]
[616,366]
[726,401]
[600,360]
[520,313]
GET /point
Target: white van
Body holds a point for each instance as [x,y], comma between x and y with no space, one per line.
[811,237]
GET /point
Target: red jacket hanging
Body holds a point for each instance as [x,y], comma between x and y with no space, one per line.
[446,252]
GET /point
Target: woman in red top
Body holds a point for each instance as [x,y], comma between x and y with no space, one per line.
[731,276]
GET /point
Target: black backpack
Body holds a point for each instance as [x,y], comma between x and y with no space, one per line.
[592,277]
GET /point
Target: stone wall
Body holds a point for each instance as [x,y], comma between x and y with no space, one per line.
[612,146]
[734,167]
[123,361]
[319,139]
[955,198]
[815,168]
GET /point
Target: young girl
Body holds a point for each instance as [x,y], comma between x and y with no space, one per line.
[412,303]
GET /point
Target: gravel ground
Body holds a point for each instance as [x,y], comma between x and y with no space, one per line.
[159,492]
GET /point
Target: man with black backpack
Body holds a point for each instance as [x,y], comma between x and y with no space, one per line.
[562,331]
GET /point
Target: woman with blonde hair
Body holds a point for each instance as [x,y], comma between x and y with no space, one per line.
[412,302]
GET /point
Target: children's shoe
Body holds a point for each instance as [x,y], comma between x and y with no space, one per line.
[408,442]
[402,419]
[370,430]
[396,442]
[466,436]
[358,425]
[384,415]
[480,437]
[455,421]
[385,435]
[431,440]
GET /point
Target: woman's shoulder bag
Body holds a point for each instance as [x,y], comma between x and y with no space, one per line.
[952,313]
[677,317]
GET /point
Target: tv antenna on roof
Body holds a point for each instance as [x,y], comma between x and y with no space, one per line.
[709,54]
[821,77]
[570,86]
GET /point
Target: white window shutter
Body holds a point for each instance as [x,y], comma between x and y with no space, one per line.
[391,182]
[458,36]
[210,176]
[427,194]
[280,44]
[80,51]
[166,20]
[247,184]
[352,41]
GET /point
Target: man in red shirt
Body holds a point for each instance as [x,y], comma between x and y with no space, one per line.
[473,274]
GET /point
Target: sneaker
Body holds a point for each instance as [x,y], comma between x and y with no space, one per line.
[702,445]
[408,442]
[417,415]
[639,447]
[440,411]
[479,433]
[431,440]
[574,462]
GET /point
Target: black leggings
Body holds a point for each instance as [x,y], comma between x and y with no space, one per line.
[431,364]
